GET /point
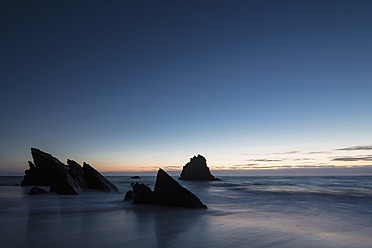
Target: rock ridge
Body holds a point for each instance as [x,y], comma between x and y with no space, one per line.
[63,179]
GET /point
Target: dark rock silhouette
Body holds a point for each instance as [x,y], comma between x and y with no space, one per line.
[63,179]
[167,192]
[135,177]
[197,170]
[77,173]
[64,184]
[36,191]
[129,195]
[45,169]
[96,181]
[142,194]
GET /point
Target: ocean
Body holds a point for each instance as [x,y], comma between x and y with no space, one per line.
[253,212]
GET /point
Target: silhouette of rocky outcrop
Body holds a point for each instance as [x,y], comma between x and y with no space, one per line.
[129,195]
[63,179]
[167,192]
[197,169]
[142,194]
[77,173]
[96,181]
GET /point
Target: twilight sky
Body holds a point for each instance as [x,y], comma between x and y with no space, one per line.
[138,85]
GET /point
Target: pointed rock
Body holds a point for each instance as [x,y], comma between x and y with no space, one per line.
[77,173]
[129,195]
[44,170]
[95,180]
[169,192]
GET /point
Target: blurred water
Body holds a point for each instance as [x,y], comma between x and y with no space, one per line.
[242,212]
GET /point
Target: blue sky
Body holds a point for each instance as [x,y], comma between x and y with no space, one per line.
[137,85]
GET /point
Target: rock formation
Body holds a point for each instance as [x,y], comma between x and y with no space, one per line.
[129,195]
[167,192]
[63,179]
[142,194]
[96,181]
[197,169]
[77,173]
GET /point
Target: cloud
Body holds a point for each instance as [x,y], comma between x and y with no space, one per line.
[244,165]
[319,152]
[355,148]
[365,158]
[273,153]
[172,167]
[303,159]
[290,152]
[265,160]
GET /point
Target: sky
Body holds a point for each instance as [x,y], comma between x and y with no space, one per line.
[254,86]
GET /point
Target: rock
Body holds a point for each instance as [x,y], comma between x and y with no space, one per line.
[44,170]
[63,179]
[77,173]
[96,181]
[142,194]
[36,191]
[135,177]
[49,171]
[65,185]
[169,192]
[197,169]
[129,195]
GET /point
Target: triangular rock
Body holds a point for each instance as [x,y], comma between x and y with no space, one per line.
[169,192]
[96,181]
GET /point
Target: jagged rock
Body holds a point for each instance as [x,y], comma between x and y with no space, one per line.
[45,169]
[96,181]
[65,185]
[129,195]
[63,179]
[142,194]
[169,192]
[36,191]
[49,171]
[77,173]
[197,169]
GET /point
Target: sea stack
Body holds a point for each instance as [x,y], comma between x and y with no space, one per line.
[63,179]
[197,170]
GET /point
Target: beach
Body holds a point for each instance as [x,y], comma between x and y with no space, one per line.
[242,212]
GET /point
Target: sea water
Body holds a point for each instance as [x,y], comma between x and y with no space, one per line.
[242,212]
